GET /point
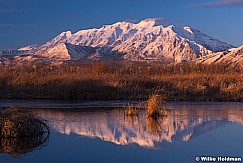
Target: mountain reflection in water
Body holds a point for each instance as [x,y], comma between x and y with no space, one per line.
[114,126]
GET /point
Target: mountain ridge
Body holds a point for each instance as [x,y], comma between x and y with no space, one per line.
[152,39]
[232,57]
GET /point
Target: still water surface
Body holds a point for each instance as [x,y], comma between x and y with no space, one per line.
[108,135]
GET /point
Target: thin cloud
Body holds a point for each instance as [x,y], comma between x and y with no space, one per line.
[16,25]
[221,3]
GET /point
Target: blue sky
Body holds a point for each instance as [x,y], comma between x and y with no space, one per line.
[24,22]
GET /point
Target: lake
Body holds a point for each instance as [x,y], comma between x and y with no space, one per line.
[102,132]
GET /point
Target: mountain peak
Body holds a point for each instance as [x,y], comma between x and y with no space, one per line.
[152,39]
[66,34]
[155,22]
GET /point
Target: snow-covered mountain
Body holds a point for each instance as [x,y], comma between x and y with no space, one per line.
[151,39]
[67,51]
[232,57]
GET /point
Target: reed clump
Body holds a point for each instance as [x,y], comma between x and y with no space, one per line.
[16,123]
[154,106]
[132,110]
[154,125]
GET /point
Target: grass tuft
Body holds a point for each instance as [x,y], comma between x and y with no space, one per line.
[154,106]
[132,110]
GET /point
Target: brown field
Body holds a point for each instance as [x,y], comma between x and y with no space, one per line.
[122,80]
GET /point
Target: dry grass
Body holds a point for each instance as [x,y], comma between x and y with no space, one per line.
[21,132]
[154,125]
[131,110]
[154,106]
[122,81]
[16,123]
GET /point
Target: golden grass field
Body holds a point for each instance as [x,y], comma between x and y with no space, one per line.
[123,81]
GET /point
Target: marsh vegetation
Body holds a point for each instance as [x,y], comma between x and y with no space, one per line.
[122,80]
[153,106]
[21,131]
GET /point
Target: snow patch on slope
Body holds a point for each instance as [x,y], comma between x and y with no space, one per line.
[29,48]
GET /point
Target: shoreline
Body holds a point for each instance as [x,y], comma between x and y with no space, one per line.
[58,104]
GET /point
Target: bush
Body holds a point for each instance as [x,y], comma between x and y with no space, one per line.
[21,132]
[16,123]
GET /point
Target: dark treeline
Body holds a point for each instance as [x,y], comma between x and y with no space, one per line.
[122,80]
